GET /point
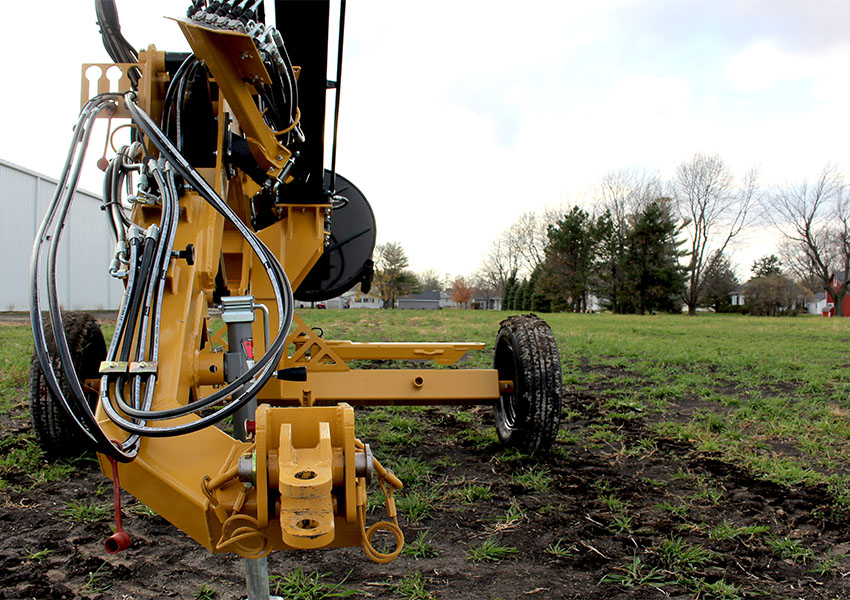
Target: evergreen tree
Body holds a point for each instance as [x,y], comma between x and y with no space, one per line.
[509,292]
[720,281]
[568,267]
[653,258]
[767,266]
[611,278]
[528,291]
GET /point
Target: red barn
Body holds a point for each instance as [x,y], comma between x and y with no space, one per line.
[835,284]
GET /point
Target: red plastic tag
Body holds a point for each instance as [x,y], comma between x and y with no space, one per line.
[248,345]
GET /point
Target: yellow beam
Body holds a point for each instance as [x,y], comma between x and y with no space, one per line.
[390,386]
[439,352]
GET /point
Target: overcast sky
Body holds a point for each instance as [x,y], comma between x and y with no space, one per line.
[458,116]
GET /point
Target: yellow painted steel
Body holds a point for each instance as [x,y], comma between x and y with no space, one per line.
[441,353]
[296,483]
[360,387]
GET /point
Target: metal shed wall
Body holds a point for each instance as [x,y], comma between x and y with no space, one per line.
[85,249]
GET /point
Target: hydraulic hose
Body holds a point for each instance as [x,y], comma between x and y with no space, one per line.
[246,386]
[76,406]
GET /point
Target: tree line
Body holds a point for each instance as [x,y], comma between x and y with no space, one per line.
[648,245]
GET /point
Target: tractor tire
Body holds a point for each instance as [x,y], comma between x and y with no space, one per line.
[56,432]
[527,417]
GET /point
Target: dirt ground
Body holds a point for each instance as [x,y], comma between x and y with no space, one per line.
[603,557]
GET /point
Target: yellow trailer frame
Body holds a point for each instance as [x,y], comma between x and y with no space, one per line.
[300,481]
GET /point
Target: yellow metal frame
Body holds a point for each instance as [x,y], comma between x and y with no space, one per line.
[302,488]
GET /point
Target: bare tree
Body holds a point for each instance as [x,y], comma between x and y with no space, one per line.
[500,262]
[486,288]
[713,211]
[625,192]
[527,238]
[814,218]
[796,260]
[429,280]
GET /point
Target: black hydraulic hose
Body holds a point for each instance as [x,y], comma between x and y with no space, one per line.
[40,342]
[108,198]
[77,406]
[180,99]
[136,307]
[136,300]
[147,349]
[118,48]
[172,90]
[121,324]
[337,94]
[264,367]
[129,293]
[122,163]
[173,214]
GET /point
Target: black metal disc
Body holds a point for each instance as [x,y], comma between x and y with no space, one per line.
[347,259]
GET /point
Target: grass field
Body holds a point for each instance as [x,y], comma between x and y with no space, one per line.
[771,393]
[769,398]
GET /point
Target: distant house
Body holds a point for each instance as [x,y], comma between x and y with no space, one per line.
[350,299]
[421,301]
[835,283]
[736,298]
[817,306]
[481,303]
[446,300]
[357,299]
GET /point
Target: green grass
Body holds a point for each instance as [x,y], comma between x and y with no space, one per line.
[472,493]
[421,547]
[207,592]
[15,354]
[412,471]
[38,555]
[634,574]
[391,426]
[534,479]
[759,379]
[301,585]
[514,515]
[85,512]
[680,556]
[725,530]
[412,587]
[417,504]
[96,581]
[560,550]
[785,547]
[490,551]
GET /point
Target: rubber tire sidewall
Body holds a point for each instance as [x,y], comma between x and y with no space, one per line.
[538,387]
[56,432]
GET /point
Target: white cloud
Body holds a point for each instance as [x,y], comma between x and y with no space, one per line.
[763,65]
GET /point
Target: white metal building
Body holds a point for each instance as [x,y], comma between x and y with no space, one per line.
[86,247]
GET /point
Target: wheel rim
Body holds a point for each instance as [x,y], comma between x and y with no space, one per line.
[506,366]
